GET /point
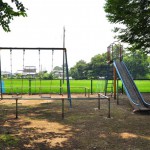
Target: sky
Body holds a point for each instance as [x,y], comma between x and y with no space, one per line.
[88,32]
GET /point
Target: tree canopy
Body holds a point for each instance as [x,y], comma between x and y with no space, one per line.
[137,62]
[10,10]
[135,16]
[79,70]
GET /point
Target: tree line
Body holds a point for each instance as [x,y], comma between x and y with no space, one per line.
[133,15]
[137,62]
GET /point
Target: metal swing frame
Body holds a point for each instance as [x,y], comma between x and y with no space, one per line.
[65,65]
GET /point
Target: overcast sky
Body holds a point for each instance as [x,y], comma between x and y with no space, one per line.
[87,31]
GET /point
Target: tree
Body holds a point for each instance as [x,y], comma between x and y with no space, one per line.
[97,66]
[137,63]
[134,15]
[58,72]
[47,76]
[148,75]
[9,11]
[79,70]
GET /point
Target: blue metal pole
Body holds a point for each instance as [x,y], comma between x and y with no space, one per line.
[1,78]
[67,78]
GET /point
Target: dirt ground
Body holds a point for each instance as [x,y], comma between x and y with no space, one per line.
[40,125]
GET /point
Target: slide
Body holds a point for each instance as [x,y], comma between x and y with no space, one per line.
[135,97]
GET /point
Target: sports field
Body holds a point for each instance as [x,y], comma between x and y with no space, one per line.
[57,86]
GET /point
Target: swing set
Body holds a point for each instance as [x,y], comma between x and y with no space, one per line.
[30,70]
[22,96]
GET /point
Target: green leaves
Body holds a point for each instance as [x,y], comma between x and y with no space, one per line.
[7,13]
[137,63]
[135,15]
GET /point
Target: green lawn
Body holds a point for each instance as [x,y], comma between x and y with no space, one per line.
[53,86]
[143,85]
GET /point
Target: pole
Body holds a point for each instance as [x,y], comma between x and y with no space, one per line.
[117,92]
[91,86]
[99,101]
[108,107]
[63,56]
[29,86]
[60,87]
[122,89]
[112,51]
[108,54]
[67,77]
[1,78]
[16,108]
[115,78]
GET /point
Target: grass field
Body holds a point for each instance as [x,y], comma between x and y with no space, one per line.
[53,86]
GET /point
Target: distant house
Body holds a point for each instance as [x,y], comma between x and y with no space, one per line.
[29,71]
[6,74]
[58,73]
[26,72]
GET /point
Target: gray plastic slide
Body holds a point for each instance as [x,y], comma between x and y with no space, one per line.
[135,97]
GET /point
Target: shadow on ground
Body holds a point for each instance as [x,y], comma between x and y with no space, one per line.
[41,127]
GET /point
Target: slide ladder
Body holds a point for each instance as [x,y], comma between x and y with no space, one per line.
[109,81]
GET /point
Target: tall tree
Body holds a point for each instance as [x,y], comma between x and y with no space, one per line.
[79,70]
[137,63]
[135,16]
[98,65]
[8,11]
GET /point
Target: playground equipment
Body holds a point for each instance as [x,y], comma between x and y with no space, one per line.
[20,96]
[2,86]
[115,57]
[109,80]
[99,98]
[24,49]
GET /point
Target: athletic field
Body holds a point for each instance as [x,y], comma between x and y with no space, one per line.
[57,86]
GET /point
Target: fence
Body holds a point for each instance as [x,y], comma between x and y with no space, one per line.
[56,86]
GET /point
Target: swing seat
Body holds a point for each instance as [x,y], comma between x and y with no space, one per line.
[46,96]
[16,96]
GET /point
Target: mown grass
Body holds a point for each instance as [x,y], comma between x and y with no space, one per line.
[57,86]
[143,85]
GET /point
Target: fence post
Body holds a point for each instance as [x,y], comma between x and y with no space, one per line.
[115,78]
[85,91]
[108,107]
[122,89]
[91,86]
[60,87]
[99,101]
[117,92]
[29,86]
[16,108]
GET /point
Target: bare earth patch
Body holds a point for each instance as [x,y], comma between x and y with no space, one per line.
[41,127]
